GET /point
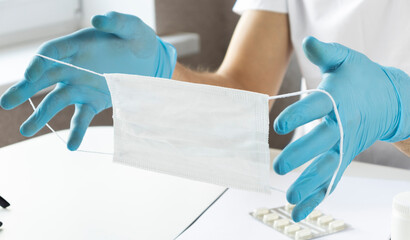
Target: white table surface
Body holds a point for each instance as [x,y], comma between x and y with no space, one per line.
[58,194]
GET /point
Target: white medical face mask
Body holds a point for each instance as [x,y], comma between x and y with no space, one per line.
[201,132]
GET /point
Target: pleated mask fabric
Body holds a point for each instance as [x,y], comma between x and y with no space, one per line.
[201,132]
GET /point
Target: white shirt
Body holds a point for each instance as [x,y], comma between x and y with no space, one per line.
[378,28]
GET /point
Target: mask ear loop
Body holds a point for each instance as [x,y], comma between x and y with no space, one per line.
[70,65]
[48,126]
[339,123]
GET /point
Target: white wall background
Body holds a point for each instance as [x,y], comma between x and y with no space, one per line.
[28,20]
[144,9]
[19,15]
[24,20]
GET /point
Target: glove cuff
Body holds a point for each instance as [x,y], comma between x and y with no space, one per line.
[167,59]
[401,83]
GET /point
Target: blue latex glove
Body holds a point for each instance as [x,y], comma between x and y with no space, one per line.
[373,102]
[118,43]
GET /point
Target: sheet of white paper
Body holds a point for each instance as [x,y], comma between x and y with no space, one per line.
[363,203]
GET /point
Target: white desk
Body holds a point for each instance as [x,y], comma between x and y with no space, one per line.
[57,194]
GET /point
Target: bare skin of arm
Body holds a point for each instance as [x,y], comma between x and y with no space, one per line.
[403,146]
[257,57]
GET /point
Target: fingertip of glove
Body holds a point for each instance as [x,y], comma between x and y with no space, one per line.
[26,130]
[293,197]
[72,147]
[314,50]
[297,216]
[309,43]
[280,167]
[280,126]
[99,21]
[10,99]
[4,103]
[276,168]
[73,143]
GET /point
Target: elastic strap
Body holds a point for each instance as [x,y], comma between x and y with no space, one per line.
[339,123]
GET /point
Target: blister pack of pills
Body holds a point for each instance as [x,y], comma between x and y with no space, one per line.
[316,224]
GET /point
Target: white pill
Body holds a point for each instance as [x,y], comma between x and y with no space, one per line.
[291,229]
[260,211]
[324,220]
[281,223]
[289,207]
[337,225]
[303,234]
[270,217]
[314,215]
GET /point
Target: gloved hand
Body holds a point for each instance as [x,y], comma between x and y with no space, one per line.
[373,102]
[118,43]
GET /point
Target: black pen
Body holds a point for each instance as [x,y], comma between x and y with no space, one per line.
[3,204]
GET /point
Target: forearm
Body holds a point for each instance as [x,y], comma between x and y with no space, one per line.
[256,59]
[203,77]
[403,146]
